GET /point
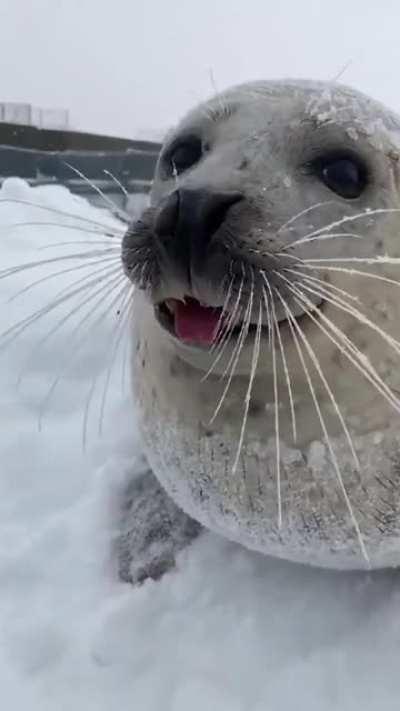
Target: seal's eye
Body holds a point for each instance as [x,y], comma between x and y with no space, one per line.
[184,155]
[345,175]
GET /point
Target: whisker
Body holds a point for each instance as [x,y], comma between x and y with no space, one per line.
[228,324]
[222,314]
[113,207]
[108,278]
[233,361]
[52,245]
[61,225]
[320,237]
[117,182]
[294,327]
[342,305]
[113,356]
[285,366]
[327,387]
[355,356]
[10,271]
[56,211]
[326,284]
[254,362]
[276,401]
[77,346]
[121,294]
[352,218]
[9,335]
[53,275]
[223,342]
[380,259]
[350,271]
[304,212]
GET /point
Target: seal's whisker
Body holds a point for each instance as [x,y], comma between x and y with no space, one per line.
[116,181]
[128,297]
[297,332]
[230,325]
[229,368]
[348,348]
[125,356]
[321,237]
[237,347]
[254,362]
[112,206]
[380,259]
[222,315]
[86,411]
[320,282]
[350,271]
[268,310]
[233,361]
[315,360]
[78,228]
[223,343]
[53,275]
[10,271]
[105,282]
[7,336]
[275,327]
[120,332]
[56,211]
[342,305]
[351,218]
[52,245]
[323,292]
[285,365]
[78,345]
[304,212]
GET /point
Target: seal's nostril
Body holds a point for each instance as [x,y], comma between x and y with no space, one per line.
[191,215]
[167,217]
[216,209]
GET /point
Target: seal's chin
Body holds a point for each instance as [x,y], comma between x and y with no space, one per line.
[194,323]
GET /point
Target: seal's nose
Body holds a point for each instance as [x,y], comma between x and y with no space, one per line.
[187,219]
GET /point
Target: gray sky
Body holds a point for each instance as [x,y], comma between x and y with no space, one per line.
[131,66]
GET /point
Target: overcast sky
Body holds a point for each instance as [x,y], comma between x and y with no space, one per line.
[129,67]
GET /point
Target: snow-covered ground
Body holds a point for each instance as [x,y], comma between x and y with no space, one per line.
[227,631]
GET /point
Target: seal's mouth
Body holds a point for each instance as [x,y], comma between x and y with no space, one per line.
[197,324]
[192,322]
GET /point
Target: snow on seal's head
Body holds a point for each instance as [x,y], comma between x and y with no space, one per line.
[266,321]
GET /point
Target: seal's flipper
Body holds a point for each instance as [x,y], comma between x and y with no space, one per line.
[152,531]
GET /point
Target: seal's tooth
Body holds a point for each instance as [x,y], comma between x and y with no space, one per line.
[171,305]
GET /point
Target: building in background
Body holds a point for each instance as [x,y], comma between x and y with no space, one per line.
[28,115]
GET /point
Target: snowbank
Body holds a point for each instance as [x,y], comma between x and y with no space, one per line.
[229,630]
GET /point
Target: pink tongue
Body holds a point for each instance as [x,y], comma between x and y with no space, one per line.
[194,322]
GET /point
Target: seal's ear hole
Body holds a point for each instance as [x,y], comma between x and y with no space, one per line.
[345,175]
[183,154]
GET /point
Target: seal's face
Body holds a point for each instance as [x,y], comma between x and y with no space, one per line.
[270,255]
[241,195]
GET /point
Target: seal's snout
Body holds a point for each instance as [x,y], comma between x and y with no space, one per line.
[188,219]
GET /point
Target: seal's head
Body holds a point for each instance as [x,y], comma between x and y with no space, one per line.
[269,255]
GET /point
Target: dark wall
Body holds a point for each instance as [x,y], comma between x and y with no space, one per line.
[54,140]
[41,156]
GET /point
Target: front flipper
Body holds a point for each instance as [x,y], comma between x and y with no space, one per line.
[152,531]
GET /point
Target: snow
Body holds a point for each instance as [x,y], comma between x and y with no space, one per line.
[229,630]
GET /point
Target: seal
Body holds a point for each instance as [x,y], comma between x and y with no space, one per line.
[266,328]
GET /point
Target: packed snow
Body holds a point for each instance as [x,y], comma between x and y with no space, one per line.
[228,630]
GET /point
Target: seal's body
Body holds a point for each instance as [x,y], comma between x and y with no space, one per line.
[266,322]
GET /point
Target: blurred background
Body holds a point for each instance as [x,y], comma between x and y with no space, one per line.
[129,69]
